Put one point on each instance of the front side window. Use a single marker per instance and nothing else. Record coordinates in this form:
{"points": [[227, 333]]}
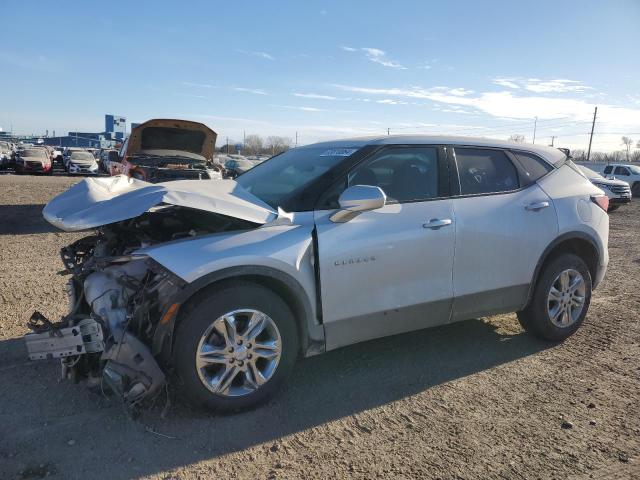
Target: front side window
{"points": [[405, 174], [485, 171], [621, 171]]}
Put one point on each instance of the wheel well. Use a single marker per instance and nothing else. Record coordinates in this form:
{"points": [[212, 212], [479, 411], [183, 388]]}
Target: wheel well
{"points": [[579, 247]]}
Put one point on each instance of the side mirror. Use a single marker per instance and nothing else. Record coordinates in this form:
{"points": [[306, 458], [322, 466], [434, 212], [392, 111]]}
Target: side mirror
{"points": [[357, 199]]}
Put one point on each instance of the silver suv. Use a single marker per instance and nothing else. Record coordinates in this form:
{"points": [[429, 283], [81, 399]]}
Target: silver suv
{"points": [[227, 283]]}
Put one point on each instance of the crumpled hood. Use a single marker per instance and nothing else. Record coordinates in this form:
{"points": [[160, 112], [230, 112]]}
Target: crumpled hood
{"points": [[100, 201]]}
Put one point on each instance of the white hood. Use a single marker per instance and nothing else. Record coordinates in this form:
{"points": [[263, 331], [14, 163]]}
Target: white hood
{"points": [[100, 201]]}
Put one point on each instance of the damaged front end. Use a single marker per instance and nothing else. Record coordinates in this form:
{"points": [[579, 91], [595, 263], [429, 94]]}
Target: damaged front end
{"points": [[119, 301]]}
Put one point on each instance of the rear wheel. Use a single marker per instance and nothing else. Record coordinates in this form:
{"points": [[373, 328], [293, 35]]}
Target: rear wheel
{"points": [[635, 189], [560, 299], [235, 347]]}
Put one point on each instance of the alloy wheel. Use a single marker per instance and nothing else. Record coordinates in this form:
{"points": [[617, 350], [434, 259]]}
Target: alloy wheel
{"points": [[238, 353], [566, 298]]}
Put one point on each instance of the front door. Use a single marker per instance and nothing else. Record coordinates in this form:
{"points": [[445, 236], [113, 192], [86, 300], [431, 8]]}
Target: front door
{"points": [[388, 271]]}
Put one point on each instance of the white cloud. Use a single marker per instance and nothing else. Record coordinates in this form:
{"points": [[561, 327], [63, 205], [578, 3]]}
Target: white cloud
{"points": [[390, 101], [376, 55], [506, 104], [558, 85], [197, 85], [264, 55], [302, 109], [506, 82], [314, 95], [255, 91]]}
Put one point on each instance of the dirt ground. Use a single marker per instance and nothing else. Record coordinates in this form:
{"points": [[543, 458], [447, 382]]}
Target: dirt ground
{"points": [[478, 399]]}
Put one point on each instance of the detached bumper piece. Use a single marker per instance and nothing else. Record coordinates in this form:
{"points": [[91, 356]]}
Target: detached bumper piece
{"points": [[54, 341]]}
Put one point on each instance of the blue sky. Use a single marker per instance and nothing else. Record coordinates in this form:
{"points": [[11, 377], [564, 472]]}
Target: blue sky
{"points": [[327, 69]]}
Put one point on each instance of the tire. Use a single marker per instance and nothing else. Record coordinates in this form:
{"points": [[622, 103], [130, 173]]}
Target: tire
{"points": [[202, 316], [635, 189], [613, 208], [536, 317]]}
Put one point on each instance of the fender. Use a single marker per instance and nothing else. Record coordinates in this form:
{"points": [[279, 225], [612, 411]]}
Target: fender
{"points": [[574, 235], [311, 332]]}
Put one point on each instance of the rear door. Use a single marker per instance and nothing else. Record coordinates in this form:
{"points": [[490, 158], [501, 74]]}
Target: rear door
{"points": [[388, 271], [504, 222]]}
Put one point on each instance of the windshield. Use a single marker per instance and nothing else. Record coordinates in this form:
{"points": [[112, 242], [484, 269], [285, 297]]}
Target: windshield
{"points": [[275, 179], [81, 156], [35, 153], [635, 170], [590, 173], [4, 147]]}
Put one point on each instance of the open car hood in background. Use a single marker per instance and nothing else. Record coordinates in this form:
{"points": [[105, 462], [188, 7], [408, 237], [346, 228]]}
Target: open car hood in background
{"points": [[172, 136], [94, 202]]}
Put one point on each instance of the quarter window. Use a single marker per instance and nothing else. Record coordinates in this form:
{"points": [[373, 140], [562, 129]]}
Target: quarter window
{"points": [[405, 174], [532, 165], [485, 171]]}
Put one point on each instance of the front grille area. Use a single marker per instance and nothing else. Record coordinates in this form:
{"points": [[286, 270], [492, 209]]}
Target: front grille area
{"points": [[621, 189], [32, 164]]}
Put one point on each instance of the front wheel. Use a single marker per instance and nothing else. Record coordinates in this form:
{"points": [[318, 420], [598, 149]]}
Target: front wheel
{"points": [[613, 208], [234, 347], [635, 189], [560, 299]]}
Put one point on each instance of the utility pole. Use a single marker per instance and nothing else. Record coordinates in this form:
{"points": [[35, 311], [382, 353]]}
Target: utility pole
{"points": [[593, 125], [296, 138], [535, 125], [552, 139], [388, 131], [244, 139], [227, 145]]}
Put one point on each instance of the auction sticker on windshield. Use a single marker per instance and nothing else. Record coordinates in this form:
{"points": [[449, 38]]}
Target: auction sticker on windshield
{"points": [[338, 152]]}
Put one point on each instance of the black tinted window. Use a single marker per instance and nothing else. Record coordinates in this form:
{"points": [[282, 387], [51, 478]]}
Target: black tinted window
{"points": [[485, 171], [532, 165], [608, 170], [621, 171], [405, 174]]}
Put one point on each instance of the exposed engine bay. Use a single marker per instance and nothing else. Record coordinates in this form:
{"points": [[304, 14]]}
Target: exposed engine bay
{"points": [[162, 168], [117, 300]]}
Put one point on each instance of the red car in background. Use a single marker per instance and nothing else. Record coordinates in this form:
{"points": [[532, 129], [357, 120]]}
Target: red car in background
{"points": [[34, 160]]}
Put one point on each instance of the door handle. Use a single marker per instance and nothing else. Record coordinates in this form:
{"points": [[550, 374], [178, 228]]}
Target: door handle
{"points": [[534, 207], [436, 223]]}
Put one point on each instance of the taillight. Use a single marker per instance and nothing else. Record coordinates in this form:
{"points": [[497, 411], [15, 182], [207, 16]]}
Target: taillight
{"points": [[601, 200]]}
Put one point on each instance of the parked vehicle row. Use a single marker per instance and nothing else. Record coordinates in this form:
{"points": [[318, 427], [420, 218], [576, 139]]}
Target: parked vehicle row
{"points": [[619, 192], [323, 246]]}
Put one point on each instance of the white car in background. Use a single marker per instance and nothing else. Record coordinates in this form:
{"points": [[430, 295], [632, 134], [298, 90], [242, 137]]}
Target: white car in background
{"points": [[82, 163], [619, 192], [627, 173]]}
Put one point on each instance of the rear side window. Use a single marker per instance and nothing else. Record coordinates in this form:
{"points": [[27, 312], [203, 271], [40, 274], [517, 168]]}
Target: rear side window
{"points": [[608, 170], [533, 166], [485, 171]]}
